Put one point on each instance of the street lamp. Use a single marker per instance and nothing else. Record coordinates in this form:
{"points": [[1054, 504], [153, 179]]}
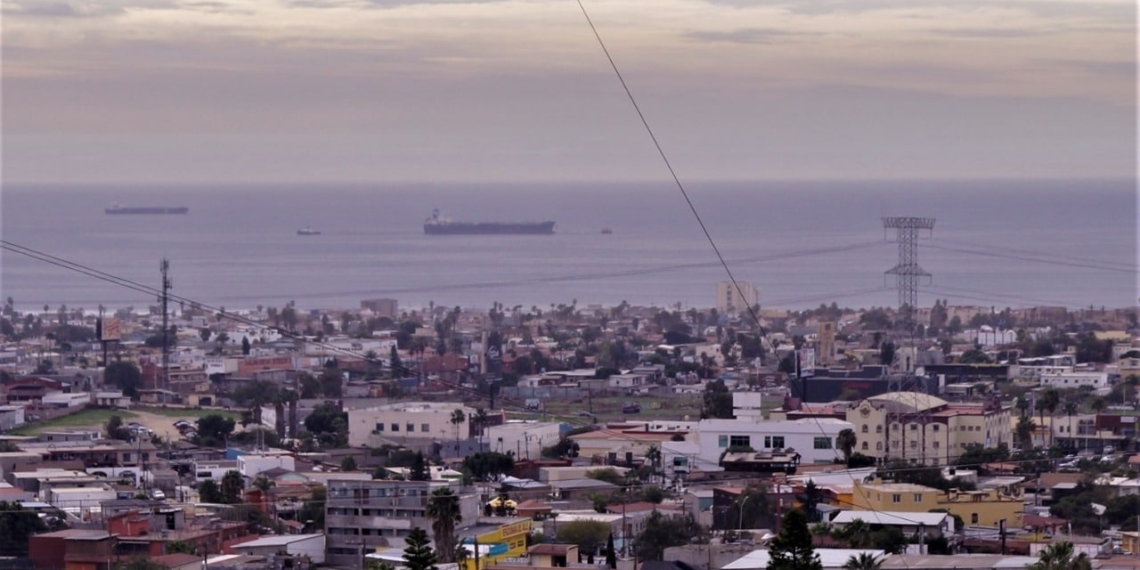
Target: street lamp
{"points": [[744, 500]]}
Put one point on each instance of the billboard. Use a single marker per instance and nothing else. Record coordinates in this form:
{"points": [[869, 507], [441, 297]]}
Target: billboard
{"points": [[807, 362], [111, 330]]}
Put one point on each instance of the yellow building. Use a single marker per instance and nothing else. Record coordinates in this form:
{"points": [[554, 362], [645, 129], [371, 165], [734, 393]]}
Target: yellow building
{"points": [[925, 430], [980, 508], [500, 545]]}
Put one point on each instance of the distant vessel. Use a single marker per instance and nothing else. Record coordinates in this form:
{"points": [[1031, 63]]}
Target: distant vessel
{"points": [[440, 225], [117, 209], [308, 231], [607, 231]]}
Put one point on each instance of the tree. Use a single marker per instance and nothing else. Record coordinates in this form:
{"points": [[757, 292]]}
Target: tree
{"points": [[139, 563], [395, 364], [1024, 430], [488, 465], [348, 464], [418, 554], [245, 346], [329, 425], [116, 429], [214, 430], [653, 456], [208, 492], [611, 555], [331, 383], [17, 524], [864, 561], [181, 547], [588, 535], [811, 500], [887, 353], [1050, 400], [443, 510], [263, 483], [419, 470], [660, 532], [1061, 556], [232, 487], [846, 442], [457, 419], [124, 375], [792, 549], [312, 512], [717, 401]]}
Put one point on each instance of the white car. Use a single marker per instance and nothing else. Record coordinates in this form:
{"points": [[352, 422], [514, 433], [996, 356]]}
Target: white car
{"points": [[158, 495]]}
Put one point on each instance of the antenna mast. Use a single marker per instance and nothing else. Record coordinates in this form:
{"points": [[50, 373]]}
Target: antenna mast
{"points": [[165, 299]]}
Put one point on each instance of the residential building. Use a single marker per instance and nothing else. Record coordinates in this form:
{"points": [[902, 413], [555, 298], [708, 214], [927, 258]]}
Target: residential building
{"points": [[924, 429], [363, 515], [735, 298], [747, 406], [976, 508], [11, 417], [1074, 379], [73, 549], [910, 523], [813, 439], [407, 421]]}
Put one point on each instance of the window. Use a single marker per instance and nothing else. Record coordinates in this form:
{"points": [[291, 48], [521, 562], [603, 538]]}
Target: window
{"points": [[866, 428], [425, 428], [739, 441], [935, 428], [896, 498], [918, 497], [864, 446], [821, 443], [410, 427], [913, 444], [722, 441], [973, 518], [879, 428], [395, 427], [379, 427], [913, 427], [126, 457], [878, 446], [936, 445], [778, 442]]}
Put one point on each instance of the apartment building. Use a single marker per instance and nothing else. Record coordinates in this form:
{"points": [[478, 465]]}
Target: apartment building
{"points": [[407, 421], [364, 515], [924, 429], [976, 508], [730, 300]]}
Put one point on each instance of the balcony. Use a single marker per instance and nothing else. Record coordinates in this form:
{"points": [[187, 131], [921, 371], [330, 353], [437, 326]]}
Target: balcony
{"points": [[343, 521]]}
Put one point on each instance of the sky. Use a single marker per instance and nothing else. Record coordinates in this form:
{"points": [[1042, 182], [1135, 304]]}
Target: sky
{"points": [[389, 91]]}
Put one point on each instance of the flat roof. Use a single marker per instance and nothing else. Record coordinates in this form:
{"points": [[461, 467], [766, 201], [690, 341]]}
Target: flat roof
{"points": [[828, 557], [897, 518], [278, 540]]}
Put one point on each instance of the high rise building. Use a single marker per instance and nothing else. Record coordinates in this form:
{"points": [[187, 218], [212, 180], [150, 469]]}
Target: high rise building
{"points": [[731, 301]]}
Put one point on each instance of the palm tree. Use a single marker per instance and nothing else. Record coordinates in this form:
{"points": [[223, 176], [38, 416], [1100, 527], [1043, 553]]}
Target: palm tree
{"points": [[480, 418], [1070, 407], [1025, 429], [864, 561], [846, 441], [443, 510], [457, 418], [1060, 556], [653, 455], [1049, 402]]}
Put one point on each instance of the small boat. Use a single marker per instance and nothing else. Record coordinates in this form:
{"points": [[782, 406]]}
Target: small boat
{"points": [[308, 231], [607, 231]]}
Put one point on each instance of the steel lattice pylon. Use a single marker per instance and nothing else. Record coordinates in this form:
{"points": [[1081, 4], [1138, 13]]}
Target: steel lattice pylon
{"points": [[908, 272]]}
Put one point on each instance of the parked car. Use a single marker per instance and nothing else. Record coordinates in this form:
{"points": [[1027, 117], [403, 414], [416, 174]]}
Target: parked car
{"points": [[158, 495]]}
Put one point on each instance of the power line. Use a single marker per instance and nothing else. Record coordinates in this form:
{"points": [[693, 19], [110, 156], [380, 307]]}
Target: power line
{"points": [[987, 246], [1043, 260]]}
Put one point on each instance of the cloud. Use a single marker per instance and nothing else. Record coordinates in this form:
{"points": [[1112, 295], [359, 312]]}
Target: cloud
{"points": [[59, 10], [746, 35]]}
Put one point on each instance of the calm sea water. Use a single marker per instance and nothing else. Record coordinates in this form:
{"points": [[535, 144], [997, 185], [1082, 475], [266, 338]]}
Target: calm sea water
{"points": [[995, 243]]}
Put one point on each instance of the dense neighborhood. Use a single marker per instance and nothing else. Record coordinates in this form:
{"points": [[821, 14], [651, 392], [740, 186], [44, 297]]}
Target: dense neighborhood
{"points": [[632, 437]]}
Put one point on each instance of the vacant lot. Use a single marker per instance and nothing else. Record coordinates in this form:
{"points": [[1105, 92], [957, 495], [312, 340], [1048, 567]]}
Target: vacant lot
{"points": [[609, 409], [159, 420]]}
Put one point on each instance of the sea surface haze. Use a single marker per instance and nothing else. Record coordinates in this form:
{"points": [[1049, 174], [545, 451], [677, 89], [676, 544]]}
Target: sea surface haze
{"points": [[996, 243]]}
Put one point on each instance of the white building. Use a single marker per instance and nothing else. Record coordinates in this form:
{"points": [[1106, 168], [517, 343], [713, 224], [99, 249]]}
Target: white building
{"points": [[310, 545], [404, 421], [746, 406], [813, 439], [66, 400], [524, 439], [11, 417], [213, 469], [255, 464], [627, 381], [1075, 379], [730, 301]]}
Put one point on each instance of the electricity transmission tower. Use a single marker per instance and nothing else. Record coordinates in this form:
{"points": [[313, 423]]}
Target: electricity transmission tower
{"points": [[164, 299], [908, 272]]}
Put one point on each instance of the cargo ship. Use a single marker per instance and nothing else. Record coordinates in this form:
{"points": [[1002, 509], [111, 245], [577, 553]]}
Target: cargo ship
{"points": [[440, 225], [117, 209]]}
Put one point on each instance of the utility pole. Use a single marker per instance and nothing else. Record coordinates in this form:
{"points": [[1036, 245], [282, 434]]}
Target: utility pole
{"points": [[165, 268]]}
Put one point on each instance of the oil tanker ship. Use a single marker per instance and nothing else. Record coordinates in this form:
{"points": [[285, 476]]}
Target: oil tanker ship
{"points": [[117, 209], [440, 225]]}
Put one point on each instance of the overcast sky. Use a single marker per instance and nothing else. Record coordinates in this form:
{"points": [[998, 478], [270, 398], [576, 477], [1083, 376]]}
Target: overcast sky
{"points": [[168, 91]]}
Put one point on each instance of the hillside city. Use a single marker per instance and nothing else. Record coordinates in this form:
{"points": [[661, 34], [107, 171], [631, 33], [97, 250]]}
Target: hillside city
{"points": [[736, 437]]}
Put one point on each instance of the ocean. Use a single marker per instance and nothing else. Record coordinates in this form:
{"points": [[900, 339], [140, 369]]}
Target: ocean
{"points": [[995, 243]]}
